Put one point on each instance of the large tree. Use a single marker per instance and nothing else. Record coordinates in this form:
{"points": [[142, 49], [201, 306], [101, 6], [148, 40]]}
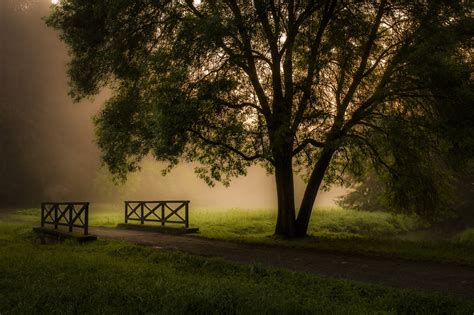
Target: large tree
{"points": [[299, 87]]}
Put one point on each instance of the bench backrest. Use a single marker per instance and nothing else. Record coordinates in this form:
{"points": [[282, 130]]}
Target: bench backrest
{"points": [[70, 214], [162, 211]]}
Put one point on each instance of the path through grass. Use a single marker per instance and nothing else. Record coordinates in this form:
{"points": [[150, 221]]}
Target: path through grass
{"points": [[107, 277], [331, 229]]}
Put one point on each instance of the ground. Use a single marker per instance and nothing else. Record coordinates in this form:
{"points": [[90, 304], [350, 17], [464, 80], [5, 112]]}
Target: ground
{"points": [[450, 279], [428, 276]]}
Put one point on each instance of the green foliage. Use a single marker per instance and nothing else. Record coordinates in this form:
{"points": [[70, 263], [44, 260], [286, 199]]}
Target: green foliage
{"points": [[115, 277], [429, 172], [446, 198], [367, 195], [229, 85], [464, 183]]}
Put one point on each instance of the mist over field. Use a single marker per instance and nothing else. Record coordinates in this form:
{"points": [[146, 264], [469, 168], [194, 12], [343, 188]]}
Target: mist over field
{"points": [[47, 149]]}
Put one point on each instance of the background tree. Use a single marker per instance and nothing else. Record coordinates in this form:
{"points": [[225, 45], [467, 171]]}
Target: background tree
{"points": [[307, 87], [368, 194], [454, 212], [451, 195]]}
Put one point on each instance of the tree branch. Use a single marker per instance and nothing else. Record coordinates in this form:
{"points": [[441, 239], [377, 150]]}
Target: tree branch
{"points": [[359, 74], [251, 70], [228, 147], [238, 106], [375, 154], [306, 142], [271, 38], [328, 11]]}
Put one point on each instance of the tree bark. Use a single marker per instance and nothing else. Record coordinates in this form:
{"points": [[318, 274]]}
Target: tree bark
{"points": [[311, 192], [286, 199]]}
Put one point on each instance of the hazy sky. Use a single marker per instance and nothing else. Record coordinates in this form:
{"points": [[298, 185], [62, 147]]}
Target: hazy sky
{"points": [[47, 142]]}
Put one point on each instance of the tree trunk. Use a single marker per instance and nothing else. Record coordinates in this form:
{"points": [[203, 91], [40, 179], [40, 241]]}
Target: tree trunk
{"points": [[286, 199], [311, 192]]}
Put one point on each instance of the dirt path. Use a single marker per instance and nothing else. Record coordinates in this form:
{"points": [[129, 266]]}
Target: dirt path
{"points": [[426, 276]]}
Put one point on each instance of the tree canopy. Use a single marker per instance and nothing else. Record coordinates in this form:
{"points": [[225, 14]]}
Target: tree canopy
{"points": [[316, 88]]}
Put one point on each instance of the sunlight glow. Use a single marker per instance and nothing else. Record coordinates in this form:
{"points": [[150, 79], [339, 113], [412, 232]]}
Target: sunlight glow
{"points": [[197, 2], [282, 39], [54, 2]]}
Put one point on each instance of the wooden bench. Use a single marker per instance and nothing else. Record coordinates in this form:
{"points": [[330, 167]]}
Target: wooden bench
{"points": [[160, 211], [65, 214]]}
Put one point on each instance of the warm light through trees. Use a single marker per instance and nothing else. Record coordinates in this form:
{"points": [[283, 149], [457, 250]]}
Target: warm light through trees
{"points": [[316, 88]]}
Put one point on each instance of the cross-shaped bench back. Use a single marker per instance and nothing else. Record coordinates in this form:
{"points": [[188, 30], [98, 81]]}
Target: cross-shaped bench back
{"points": [[70, 214], [162, 211]]}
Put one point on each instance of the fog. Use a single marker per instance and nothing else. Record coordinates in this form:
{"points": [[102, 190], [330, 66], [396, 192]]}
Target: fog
{"points": [[47, 142]]}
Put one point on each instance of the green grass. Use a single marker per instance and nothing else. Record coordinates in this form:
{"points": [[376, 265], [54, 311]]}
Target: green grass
{"points": [[235, 223], [466, 237], [331, 229], [232, 223], [110, 277]]}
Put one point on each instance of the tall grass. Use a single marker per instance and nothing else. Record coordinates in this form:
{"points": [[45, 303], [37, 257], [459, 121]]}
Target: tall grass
{"points": [[110, 277], [331, 229]]}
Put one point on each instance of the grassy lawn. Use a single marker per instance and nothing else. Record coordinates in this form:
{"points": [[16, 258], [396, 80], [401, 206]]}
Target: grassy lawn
{"points": [[110, 277], [331, 229], [466, 237]]}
